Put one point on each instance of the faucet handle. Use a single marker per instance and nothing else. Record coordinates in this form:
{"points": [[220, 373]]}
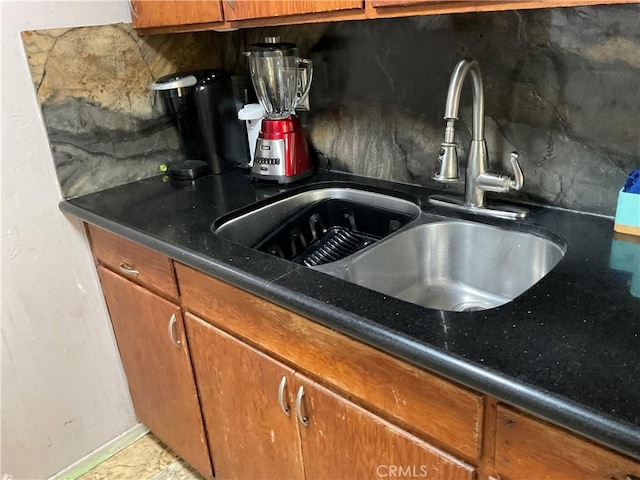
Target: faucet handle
{"points": [[518, 181]]}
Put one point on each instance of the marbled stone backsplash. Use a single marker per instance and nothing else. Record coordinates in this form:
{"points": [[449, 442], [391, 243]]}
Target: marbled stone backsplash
{"points": [[562, 87], [105, 126]]}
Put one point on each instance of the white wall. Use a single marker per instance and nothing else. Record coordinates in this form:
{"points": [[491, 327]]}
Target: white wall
{"points": [[63, 390]]}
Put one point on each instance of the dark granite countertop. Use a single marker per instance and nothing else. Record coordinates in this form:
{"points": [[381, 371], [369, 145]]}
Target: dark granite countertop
{"points": [[567, 350]]}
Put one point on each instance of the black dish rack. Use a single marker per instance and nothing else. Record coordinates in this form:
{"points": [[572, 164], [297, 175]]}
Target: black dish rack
{"points": [[330, 230]]}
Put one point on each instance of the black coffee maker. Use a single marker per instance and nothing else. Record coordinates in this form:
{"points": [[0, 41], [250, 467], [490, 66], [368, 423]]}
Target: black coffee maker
{"points": [[204, 108]]}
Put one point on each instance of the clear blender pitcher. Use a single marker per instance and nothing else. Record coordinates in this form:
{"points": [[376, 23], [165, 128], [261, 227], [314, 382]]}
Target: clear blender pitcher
{"points": [[274, 72]]}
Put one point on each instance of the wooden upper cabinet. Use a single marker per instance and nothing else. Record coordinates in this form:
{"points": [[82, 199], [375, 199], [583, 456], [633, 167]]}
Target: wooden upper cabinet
{"points": [[527, 448], [168, 13], [450, 6], [166, 16], [397, 3], [249, 9]]}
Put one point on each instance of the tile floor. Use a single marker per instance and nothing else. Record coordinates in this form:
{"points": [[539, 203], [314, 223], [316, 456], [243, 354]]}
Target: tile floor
{"points": [[145, 459]]}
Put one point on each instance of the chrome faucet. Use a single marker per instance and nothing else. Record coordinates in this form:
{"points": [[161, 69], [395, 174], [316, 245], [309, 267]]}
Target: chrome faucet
{"points": [[478, 179]]}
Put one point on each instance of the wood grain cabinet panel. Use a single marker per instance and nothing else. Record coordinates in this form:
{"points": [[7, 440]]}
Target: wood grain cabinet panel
{"points": [[528, 449], [139, 264], [165, 16], [152, 343], [250, 436], [342, 441], [420, 401], [450, 6], [168, 13], [250, 9], [396, 3], [255, 432]]}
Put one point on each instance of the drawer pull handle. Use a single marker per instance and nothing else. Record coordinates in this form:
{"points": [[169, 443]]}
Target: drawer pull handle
{"points": [[301, 417], [126, 267], [134, 10], [172, 322], [281, 389]]}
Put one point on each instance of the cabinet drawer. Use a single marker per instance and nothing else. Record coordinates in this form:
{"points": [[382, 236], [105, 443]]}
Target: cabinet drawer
{"points": [[525, 446], [422, 402], [163, 13], [133, 261], [250, 9]]}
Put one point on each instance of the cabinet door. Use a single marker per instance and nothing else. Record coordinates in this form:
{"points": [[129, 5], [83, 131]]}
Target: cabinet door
{"points": [[397, 3], [152, 343], [434, 407], [343, 441], [167, 13], [250, 435], [450, 6], [248, 9], [525, 445]]}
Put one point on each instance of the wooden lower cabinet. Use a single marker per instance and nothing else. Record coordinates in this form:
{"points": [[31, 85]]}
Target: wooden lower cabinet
{"points": [[431, 407], [261, 426], [151, 339], [529, 449], [344, 441], [150, 269], [257, 413], [250, 435]]}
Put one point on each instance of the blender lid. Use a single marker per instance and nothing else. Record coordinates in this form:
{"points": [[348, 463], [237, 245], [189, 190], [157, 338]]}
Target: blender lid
{"points": [[273, 46]]}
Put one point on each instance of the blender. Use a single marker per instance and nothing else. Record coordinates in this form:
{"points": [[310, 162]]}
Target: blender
{"points": [[281, 152]]}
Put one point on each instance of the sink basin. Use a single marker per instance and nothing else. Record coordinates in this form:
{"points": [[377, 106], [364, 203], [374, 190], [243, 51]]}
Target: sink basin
{"points": [[385, 242], [456, 265], [319, 225]]}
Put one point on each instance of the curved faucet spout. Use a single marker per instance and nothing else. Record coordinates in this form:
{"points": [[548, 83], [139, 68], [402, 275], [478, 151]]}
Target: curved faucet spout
{"points": [[477, 178], [464, 66]]}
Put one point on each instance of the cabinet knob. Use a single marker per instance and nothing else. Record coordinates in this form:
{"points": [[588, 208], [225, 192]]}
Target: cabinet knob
{"points": [[281, 394], [172, 322], [631, 477], [302, 418]]}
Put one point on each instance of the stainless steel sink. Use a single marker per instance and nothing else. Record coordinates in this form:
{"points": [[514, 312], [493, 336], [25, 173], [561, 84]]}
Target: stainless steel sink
{"points": [[320, 224], [433, 261], [456, 265]]}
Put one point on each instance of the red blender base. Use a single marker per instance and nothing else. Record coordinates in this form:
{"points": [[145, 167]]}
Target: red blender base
{"points": [[282, 154]]}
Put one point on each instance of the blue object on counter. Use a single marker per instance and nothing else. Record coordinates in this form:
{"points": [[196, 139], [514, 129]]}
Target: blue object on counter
{"points": [[627, 214], [625, 256], [632, 185]]}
